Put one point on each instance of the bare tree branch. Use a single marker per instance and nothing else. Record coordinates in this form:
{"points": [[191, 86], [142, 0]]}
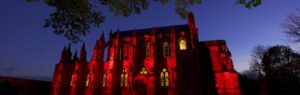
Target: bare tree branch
{"points": [[291, 27]]}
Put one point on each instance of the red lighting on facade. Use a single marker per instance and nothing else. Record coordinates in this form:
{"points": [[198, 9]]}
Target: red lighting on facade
{"points": [[156, 61]]}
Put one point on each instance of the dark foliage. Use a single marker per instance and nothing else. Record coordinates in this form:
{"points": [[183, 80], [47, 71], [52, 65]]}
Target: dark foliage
{"points": [[278, 67], [73, 18], [248, 85], [250, 3]]}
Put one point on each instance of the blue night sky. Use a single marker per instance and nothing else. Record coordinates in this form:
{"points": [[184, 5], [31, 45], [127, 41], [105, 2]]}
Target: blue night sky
{"points": [[28, 49]]}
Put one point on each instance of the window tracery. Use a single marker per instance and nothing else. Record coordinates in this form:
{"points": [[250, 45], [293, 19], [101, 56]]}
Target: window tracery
{"points": [[72, 78], [104, 80], [143, 71], [124, 78], [164, 78], [166, 50], [147, 49], [87, 80]]}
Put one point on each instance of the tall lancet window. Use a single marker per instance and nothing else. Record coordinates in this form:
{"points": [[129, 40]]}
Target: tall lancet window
{"points": [[182, 44], [72, 78], [164, 78], [166, 49], [87, 80], [124, 78], [104, 80], [147, 49]]}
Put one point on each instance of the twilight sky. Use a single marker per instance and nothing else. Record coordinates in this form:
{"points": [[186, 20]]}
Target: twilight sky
{"points": [[28, 49]]}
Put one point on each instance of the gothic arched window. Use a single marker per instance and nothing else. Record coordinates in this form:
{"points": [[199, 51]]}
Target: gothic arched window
{"points": [[147, 49], [104, 80], [72, 78], [182, 44], [143, 71], [166, 49], [164, 77], [87, 80], [124, 78]]}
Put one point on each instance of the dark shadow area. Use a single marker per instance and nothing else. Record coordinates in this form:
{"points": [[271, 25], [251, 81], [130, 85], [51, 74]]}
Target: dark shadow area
{"points": [[7, 89], [16, 86], [248, 86]]}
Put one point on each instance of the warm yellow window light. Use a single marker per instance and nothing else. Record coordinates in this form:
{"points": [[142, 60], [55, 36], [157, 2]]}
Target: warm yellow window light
{"points": [[147, 50], [162, 83], [104, 81], [124, 78], [164, 78], [143, 71], [182, 44], [71, 83], [87, 80]]}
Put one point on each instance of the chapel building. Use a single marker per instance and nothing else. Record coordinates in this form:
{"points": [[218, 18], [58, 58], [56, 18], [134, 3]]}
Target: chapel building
{"points": [[154, 61]]}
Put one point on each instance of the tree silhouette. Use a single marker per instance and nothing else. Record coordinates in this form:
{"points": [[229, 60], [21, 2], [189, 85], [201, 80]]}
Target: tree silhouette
{"points": [[248, 83], [257, 57], [291, 26], [73, 18], [279, 65]]}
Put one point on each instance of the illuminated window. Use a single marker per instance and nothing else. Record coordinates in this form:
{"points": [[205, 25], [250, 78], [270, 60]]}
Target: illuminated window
{"points": [[124, 78], [104, 81], [72, 79], [143, 71], [147, 50], [166, 49], [87, 80], [167, 79], [182, 44], [164, 77]]}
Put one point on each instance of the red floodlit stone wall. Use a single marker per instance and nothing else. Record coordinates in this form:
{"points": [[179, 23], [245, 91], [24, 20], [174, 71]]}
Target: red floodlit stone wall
{"points": [[226, 77], [155, 61]]}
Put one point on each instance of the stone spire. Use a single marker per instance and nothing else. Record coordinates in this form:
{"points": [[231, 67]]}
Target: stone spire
{"points": [[101, 42], [83, 53], [75, 57], [68, 53], [102, 38], [63, 55]]}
